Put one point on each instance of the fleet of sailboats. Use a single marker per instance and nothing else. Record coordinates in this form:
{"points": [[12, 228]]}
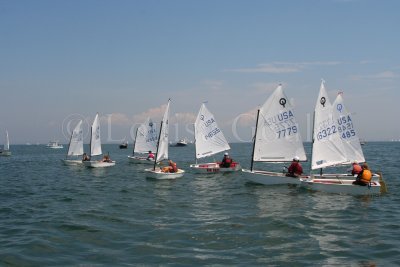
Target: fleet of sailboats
{"points": [[276, 142], [209, 140]]}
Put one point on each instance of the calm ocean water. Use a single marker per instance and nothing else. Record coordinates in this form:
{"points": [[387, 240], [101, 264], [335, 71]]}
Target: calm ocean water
{"points": [[51, 214]]}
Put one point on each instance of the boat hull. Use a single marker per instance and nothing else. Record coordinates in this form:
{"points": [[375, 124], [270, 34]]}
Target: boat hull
{"points": [[72, 162], [341, 186], [159, 175], [270, 178], [5, 153], [98, 164], [140, 160], [214, 167]]}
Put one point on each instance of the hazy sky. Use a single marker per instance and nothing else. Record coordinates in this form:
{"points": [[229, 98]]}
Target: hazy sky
{"points": [[60, 60]]}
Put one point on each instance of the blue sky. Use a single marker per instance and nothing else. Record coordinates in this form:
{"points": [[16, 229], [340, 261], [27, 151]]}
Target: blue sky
{"points": [[124, 59]]}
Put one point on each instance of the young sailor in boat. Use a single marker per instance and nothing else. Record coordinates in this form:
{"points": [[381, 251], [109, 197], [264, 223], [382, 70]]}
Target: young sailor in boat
{"points": [[355, 169], [85, 157], [295, 169], [171, 168], [226, 161], [150, 156], [106, 158], [364, 177]]}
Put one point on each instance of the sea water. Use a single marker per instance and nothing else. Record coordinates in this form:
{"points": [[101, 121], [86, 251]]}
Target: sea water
{"points": [[52, 215]]}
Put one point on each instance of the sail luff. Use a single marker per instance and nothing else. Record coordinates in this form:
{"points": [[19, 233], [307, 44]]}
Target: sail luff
{"points": [[162, 152]]}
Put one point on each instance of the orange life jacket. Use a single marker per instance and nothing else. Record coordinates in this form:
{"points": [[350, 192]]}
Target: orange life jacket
{"points": [[174, 168], [366, 176]]}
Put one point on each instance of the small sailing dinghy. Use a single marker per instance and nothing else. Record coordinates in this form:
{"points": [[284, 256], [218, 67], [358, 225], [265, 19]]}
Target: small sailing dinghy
{"points": [[277, 140], [95, 148], [335, 143], [162, 152], [75, 147], [145, 142], [209, 140], [6, 147]]}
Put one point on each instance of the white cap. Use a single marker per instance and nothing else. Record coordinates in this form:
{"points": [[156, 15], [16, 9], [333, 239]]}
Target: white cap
{"points": [[296, 158], [355, 162], [226, 154]]}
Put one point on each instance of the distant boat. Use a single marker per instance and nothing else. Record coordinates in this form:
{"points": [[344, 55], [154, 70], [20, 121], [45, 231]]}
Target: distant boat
{"points": [[362, 142], [124, 145], [95, 148], [6, 147], [75, 147], [182, 142], [54, 145]]}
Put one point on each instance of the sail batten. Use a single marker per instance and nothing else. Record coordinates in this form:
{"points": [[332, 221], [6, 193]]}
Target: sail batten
{"points": [[209, 137], [278, 136]]}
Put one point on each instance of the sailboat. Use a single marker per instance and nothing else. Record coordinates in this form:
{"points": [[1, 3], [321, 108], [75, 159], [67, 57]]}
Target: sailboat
{"points": [[145, 141], [75, 147], [162, 151], [277, 140], [209, 140], [54, 145], [95, 148], [6, 147], [335, 143]]}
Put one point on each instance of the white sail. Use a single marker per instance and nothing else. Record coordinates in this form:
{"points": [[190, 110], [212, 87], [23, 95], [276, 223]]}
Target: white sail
{"points": [[347, 132], [95, 143], [146, 138], [7, 143], [162, 152], [328, 147], [76, 142], [278, 136], [209, 137]]}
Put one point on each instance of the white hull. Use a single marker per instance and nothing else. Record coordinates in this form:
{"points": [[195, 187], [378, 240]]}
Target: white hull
{"points": [[55, 147], [5, 153], [98, 164], [72, 162], [140, 160], [213, 168], [158, 174], [341, 176], [270, 178], [339, 186]]}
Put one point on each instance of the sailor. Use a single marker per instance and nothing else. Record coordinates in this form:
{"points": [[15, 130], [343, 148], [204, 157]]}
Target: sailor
{"points": [[364, 177], [226, 161], [295, 169]]}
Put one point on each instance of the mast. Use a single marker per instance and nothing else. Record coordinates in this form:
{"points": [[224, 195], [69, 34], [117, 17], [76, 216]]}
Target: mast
{"points": [[158, 143], [195, 150], [134, 144], [254, 141], [90, 144]]}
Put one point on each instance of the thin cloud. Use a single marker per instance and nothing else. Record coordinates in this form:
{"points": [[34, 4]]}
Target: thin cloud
{"points": [[384, 75], [283, 67], [214, 85], [119, 119]]}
